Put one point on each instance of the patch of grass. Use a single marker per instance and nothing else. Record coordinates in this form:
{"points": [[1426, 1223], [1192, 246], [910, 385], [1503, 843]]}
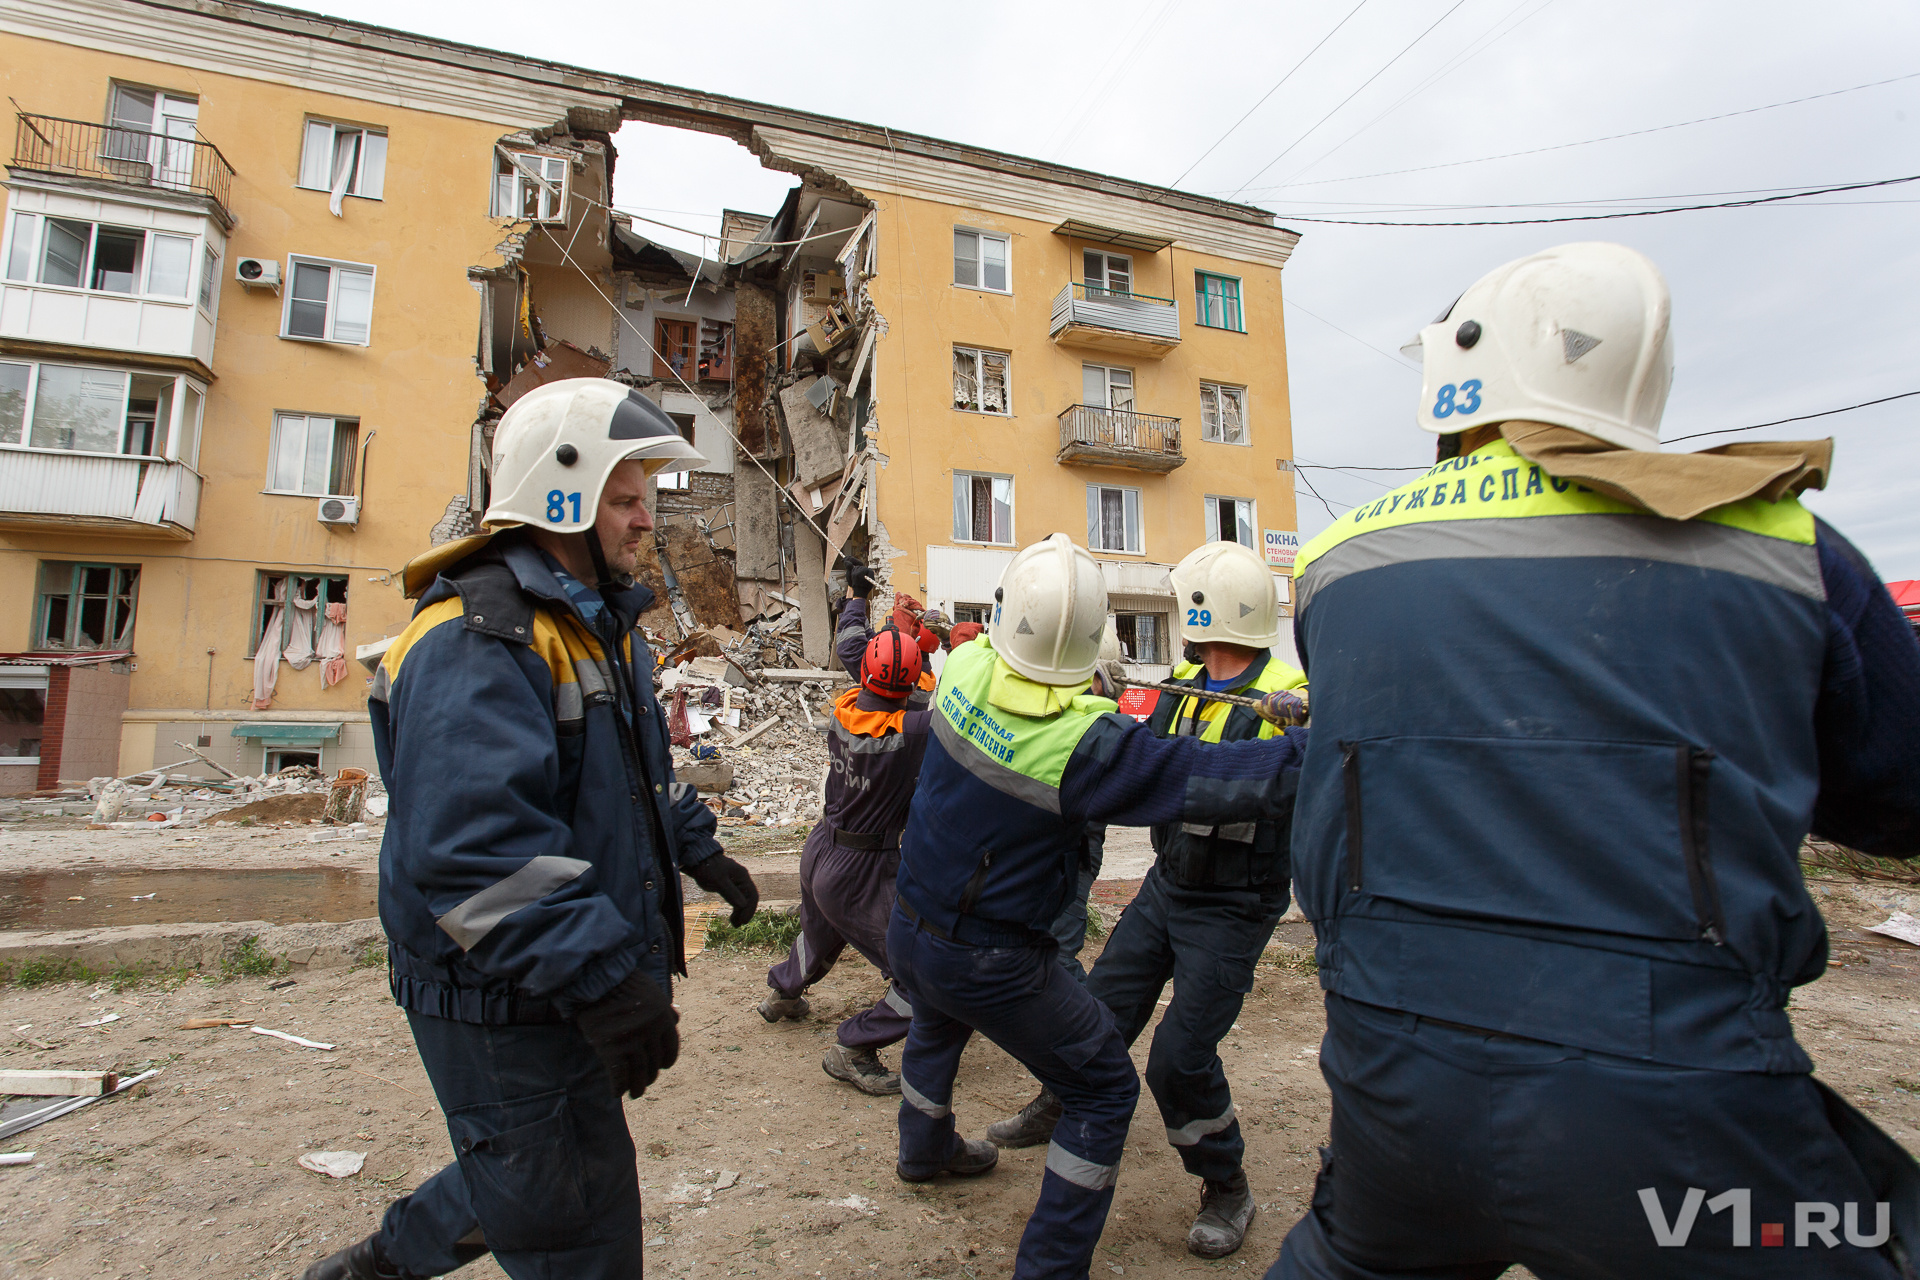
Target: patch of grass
{"points": [[1906, 1086], [43, 971], [1096, 925], [1301, 962], [372, 956], [248, 960], [773, 930], [1823, 858]]}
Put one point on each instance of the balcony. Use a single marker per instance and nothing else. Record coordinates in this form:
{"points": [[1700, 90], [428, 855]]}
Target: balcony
{"points": [[1119, 438], [124, 157], [1127, 324], [44, 489]]}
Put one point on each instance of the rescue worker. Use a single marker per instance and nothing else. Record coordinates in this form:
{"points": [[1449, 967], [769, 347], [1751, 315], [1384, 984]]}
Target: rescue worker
{"points": [[853, 635], [1209, 903], [1577, 703], [852, 855], [530, 874], [1022, 759]]}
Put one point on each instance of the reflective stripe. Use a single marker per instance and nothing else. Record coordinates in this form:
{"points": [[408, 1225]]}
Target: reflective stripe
{"points": [[594, 676], [850, 633], [568, 704], [676, 790], [470, 922], [1699, 544], [860, 744], [1189, 1134], [1079, 1170], [382, 684], [990, 771], [800, 954], [921, 1103], [898, 1002], [1238, 832]]}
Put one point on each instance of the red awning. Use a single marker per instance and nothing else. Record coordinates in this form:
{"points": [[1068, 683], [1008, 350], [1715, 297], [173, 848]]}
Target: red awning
{"points": [[1906, 594]]}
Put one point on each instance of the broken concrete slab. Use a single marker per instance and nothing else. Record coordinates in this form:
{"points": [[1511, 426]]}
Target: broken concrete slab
{"points": [[816, 619], [709, 778], [819, 441], [559, 360]]}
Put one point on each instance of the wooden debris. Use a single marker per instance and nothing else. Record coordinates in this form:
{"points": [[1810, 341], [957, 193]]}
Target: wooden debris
{"points": [[756, 731], [201, 1024]]}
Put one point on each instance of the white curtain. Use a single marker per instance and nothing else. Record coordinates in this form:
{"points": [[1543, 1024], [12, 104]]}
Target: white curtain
{"points": [[332, 649], [306, 613], [266, 659]]}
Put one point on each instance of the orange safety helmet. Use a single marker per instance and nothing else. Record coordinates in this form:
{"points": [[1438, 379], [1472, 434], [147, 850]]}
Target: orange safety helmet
{"points": [[890, 668]]}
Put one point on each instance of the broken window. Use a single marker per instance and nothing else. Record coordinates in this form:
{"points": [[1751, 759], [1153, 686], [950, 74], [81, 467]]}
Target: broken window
{"points": [[972, 613], [982, 508], [679, 479], [1142, 636], [1217, 302], [1108, 274], [86, 606], [673, 349], [980, 381], [1113, 519], [23, 714], [532, 188], [287, 611], [1105, 387], [1230, 520], [312, 454], [1223, 413], [716, 350], [980, 260], [329, 302], [344, 159]]}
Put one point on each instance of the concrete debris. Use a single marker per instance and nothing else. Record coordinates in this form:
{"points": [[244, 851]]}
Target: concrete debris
{"points": [[171, 800], [335, 1164]]}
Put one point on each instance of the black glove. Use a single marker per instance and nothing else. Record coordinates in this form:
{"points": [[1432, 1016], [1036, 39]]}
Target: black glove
{"points": [[860, 580], [722, 875], [634, 1029]]}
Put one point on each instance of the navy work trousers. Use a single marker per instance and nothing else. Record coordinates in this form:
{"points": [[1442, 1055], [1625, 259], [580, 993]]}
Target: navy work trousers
{"points": [[1456, 1154], [846, 899], [1022, 1000], [543, 1174], [1070, 926], [1207, 942]]}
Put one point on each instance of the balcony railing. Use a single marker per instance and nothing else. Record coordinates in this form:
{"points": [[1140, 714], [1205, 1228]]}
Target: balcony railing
{"points": [[1113, 320], [1119, 438], [111, 153], [43, 489]]}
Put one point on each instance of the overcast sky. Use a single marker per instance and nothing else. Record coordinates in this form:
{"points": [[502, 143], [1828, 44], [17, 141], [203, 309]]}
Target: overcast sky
{"points": [[1779, 310]]}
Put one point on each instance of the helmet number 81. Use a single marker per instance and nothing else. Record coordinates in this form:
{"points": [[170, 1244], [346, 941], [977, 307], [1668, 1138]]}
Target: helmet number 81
{"points": [[557, 506], [1469, 399], [1199, 617]]}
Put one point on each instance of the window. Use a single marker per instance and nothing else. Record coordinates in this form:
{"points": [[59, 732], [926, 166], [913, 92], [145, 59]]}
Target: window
{"points": [[1104, 387], [530, 187], [209, 280], [104, 259], [312, 593], [343, 159], [14, 382], [679, 479], [312, 455], [1217, 302], [155, 129], [77, 409], [980, 381], [1230, 520], [1113, 519], [1223, 414], [980, 260], [1143, 637], [23, 715], [86, 606], [330, 302], [972, 613], [982, 508], [716, 350], [673, 349], [1107, 273]]}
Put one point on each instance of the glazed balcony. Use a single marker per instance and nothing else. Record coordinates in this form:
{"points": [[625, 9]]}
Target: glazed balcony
{"points": [[124, 157], [1095, 437], [1115, 321], [56, 491]]}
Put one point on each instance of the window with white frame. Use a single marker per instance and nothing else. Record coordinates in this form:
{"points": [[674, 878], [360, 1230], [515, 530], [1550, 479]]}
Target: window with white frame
{"points": [[679, 479], [156, 129], [980, 381], [982, 508], [1107, 273], [1143, 637], [1106, 387], [980, 260], [532, 188], [85, 606], [1223, 413], [98, 257], [82, 409], [1230, 520], [209, 281], [1113, 519], [312, 454], [979, 613], [23, 714], [329, 302], [345, 159]]}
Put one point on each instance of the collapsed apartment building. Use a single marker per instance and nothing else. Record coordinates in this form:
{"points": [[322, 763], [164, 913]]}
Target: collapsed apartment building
{"points": [[927, 355]]}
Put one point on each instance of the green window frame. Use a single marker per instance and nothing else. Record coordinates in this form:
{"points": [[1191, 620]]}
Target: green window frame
{"points": [[329, 588], [1217, 302], [84, 606]]}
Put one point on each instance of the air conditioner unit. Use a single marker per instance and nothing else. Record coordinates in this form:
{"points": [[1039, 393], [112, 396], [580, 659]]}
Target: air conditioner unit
{"points": [[339, 511], [257, 271]]}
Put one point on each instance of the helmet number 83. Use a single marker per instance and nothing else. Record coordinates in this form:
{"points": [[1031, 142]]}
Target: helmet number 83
{"points": [[1199, 617], [557, 506], [1469, 399]]}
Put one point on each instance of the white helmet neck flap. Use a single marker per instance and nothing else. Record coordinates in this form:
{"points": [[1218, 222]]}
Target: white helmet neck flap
{"points": [[1576, 336], [557, 445], [1050, 612], [1223, 592]]}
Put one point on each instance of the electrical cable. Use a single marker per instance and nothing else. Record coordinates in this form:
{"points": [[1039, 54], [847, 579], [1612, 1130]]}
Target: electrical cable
{"points": [[1108, 77], [1824, 413], [1328, 466], [1608, 217], [1362, 341], [1331, 513]]}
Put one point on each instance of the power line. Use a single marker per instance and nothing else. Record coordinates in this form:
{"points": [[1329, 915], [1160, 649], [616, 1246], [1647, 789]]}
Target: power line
{"points": [[1362, 341], [1268, 94], [1331, 513], [1824, 413], [1327, 466], [1608, 217], [1350, 97], [1108, 76]]}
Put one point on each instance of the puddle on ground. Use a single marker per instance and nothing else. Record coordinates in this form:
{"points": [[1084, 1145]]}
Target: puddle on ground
{"points": [[120, 897]]}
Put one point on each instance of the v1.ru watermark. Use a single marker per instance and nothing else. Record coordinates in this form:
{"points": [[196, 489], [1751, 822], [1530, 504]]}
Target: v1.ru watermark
{"points": [[1812, 1220]]}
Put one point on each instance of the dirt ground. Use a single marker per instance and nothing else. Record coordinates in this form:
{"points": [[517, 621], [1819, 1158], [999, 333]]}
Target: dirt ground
{"points": [[753, 1161]]}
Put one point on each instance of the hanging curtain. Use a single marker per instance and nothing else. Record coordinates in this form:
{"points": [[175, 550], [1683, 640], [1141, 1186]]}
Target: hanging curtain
{"points": [[305, 615], [332, 649], [266, 659]]}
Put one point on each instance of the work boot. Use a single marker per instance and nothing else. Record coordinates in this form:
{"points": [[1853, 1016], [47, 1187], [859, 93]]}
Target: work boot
{"points": [[777, 1006], [1226, 1211], [1033, 1126], [860, 1068], [971, 1158], [362, 1261]]}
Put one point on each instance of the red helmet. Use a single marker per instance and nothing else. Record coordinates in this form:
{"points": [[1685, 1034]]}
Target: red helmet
{"points": [[890, 668]]}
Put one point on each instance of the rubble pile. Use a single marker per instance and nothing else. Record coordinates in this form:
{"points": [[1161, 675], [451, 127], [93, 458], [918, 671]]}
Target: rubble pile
{"points": [[160, 798]]}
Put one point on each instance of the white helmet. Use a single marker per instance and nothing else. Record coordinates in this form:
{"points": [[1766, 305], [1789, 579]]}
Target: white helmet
{"points": [[1576, 336], [1223, 592], [555, 448], [1049, 613]]}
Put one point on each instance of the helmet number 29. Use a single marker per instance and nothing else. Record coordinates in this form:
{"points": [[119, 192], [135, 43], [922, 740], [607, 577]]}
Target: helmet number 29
{"points": [[1446, 406], [1199, 617], [557, 506]]}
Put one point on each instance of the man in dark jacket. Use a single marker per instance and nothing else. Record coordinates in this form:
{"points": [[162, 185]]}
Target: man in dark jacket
{"points": [[530, 875]]}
